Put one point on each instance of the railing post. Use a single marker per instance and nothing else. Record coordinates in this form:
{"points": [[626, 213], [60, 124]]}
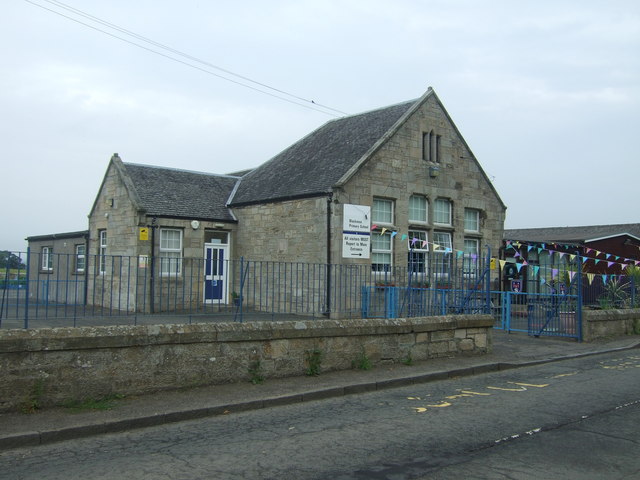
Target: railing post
{"points": [[579, 300], [488, 281], [26, 297]]}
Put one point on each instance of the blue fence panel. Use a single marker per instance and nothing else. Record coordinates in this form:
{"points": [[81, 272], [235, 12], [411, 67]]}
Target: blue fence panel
{"points": [[542, 314]]}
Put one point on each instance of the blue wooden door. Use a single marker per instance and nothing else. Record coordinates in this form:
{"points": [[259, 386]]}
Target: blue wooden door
{"points": [[215, 279]]}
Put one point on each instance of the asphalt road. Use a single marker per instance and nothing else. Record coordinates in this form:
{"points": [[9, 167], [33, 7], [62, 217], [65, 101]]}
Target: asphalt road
{"points": [[570, 419]]}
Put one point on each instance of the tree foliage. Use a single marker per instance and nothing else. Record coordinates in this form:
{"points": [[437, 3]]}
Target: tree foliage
{"points": [[10, 260]]}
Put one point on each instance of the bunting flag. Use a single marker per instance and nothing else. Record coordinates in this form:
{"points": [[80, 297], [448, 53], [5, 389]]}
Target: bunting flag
{"points": [[520, 261]]}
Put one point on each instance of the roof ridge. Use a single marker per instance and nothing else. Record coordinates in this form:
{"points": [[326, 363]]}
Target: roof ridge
{"points": [[157, 167], [604, 225]]}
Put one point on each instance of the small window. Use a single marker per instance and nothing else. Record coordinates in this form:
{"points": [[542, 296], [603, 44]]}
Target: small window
{"points": [[471, 258], [47, 259], [417, 209], [442, 212], [471, 220], [381, 252], [382, 211], [431, 147], [81, 258], [426, 146], [102, 250], [170, 251], [418, 251]]}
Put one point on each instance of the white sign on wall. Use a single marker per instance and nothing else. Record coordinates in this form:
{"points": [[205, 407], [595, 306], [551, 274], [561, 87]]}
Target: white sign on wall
{"points": [[356, 218], [356, 231]]}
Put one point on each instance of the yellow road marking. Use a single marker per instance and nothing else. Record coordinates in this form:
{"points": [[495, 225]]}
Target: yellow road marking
{"points": [[453, 397], [474, 393], [442, 405], [523, 389], [530, 384]]}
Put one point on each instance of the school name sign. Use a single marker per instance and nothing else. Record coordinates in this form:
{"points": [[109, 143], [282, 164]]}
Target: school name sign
{"points": [[356, 231]]}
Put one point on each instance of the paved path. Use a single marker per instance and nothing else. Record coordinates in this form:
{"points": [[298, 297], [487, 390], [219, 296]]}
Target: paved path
{"points": [[509, 351]]}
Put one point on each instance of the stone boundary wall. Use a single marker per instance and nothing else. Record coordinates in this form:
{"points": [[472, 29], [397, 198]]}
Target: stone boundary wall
{"points": [[609, 323], [55, 365]]}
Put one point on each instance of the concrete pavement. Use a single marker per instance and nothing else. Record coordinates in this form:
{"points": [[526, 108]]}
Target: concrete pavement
{"points": [[509, 351]]}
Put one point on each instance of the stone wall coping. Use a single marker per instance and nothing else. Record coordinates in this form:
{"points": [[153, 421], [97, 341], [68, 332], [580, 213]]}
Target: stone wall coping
{"points": [[80, 338], [610, 315]]}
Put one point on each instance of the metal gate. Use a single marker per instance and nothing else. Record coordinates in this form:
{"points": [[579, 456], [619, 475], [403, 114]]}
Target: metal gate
{"points": [[558, 315]]}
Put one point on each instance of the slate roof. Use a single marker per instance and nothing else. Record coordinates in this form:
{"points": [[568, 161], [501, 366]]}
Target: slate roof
{"points": [[311, 166], [170, 192], [575, 235]]}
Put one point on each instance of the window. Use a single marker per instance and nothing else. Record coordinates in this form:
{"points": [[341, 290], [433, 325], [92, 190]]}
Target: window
{"points": [[426, 146], [80, 258], [471, 259], [381, 252], [418, 250], [431, 147], [442, 253], [417, 209], [102, 253], [442, 212], [47, 259], [170, 251], [471, 220], [382, 211]]}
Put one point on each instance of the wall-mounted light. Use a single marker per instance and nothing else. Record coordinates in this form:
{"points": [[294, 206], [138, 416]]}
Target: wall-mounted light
{"points": [[434, 171]]}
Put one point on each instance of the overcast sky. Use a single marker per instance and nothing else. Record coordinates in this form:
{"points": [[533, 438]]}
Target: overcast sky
{"points": [[546, 94]]}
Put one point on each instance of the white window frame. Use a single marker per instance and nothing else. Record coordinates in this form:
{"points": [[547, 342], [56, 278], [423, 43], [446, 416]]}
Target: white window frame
{"points": [[471, 256], [47, 259], [417, 259], [438, 212], [81, 258], [102, 251], [381, 253], [441, 260], [376, 211], [170, 255], [422, 219], [471, 220]]}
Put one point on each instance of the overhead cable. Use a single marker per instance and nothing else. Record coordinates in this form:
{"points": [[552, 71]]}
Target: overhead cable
{"points": [[280, 94]]}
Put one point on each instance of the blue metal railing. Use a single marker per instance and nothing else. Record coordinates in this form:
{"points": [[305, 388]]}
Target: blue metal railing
{"points": [[119, 289]]}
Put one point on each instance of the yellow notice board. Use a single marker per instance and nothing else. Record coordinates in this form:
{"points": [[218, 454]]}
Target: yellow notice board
{"points": [[493, 264], [144, 233]]}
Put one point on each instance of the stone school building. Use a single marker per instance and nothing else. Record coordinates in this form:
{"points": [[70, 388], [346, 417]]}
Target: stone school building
{"points": [[375, 190]]}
